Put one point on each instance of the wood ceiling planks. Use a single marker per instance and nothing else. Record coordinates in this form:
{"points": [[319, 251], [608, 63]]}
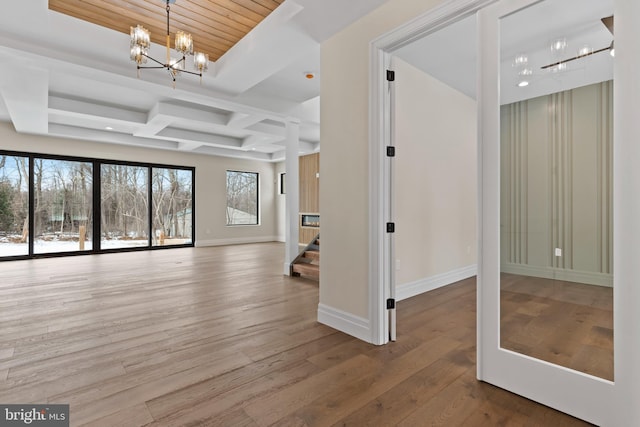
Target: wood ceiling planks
{"points": [[216, 25]]}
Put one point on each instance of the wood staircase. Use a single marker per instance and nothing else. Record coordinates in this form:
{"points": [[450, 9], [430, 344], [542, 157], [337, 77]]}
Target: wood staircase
{"points": [[307, 263]]}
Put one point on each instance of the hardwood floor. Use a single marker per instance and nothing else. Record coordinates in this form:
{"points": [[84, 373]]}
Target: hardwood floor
{"points": [[569, 324], [219, 337]]}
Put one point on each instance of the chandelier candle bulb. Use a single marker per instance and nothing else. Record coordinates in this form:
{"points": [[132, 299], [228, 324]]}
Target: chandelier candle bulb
{"points": [[201, 61], [184, 43]]}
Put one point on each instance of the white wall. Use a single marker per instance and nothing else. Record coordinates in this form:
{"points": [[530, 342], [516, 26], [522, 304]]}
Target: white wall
{"points": [[281, 205], [344, 198], [210, 185], [435, 182]]}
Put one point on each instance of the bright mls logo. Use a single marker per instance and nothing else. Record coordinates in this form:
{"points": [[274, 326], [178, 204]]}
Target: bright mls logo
{"points": [[34, 415]]}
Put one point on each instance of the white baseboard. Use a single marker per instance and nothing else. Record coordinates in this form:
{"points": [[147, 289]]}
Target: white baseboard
{"points": [[345, 322], [411, 289], [586, 277], [235, 241]]}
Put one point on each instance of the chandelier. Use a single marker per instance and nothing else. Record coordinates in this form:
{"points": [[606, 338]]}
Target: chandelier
{"points": [[141, 41]]}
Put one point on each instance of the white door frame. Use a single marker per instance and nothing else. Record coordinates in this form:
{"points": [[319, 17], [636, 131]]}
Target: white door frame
{"points": [[587, 397], [380, 246]]}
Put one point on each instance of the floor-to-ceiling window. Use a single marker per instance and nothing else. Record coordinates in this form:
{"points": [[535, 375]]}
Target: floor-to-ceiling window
{"points": [[52, 205], [172, 199], [14, 205], [62, 205], [124, 206]]}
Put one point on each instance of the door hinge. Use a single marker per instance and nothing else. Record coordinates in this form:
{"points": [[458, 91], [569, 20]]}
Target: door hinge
{"points": [[391, 227], [391, 304], [391, 76], [391, 151]]}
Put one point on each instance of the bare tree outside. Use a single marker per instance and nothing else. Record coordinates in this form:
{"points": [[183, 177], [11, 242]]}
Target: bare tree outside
{"points": [[63, 211], [172, 206], [136, 209], [124, 206], [14, 205], [242, 198]]}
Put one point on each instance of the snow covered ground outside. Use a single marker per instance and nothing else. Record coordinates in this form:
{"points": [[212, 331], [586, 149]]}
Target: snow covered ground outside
{"points": [[43, 247]]}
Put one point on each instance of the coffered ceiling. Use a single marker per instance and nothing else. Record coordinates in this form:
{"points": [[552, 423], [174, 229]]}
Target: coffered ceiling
{"points": [[65, 72]]}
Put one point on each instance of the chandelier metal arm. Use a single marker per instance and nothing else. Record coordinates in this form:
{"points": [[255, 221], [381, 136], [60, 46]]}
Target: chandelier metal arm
{"points": [[163, 65], [191, 72], [167, 66]]}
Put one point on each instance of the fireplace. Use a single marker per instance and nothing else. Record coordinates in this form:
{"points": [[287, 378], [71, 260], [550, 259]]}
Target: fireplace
{"points": [[310, 220]]}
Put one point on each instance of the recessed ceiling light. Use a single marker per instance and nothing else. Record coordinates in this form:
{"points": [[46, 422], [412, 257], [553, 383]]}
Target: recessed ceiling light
{"points": [[309, 75], [108, 128], [523, 83]]}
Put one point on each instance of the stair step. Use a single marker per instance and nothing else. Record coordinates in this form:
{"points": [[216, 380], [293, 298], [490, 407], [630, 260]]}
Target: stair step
{"points": [[306, 269], [313, 255]]}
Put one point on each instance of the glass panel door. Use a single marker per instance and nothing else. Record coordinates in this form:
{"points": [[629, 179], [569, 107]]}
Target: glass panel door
{"points": [[125, 206], [63, 205], [546, 264], [14, 206], [172, 206], [556, 198]]}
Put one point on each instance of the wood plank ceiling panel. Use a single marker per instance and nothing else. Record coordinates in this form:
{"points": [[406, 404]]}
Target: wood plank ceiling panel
{"points": [[216, 25]]}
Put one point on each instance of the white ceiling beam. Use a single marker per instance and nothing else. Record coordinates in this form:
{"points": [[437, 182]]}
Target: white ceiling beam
{"points": [[189, 136], [25, 92], [268, 129], [196, 113], [243, 66], [164, 114], [188, 146], [217, 151], [118, 138], [107, 137], [238, 120], [306, 146], [76, 108], [256, 140]]}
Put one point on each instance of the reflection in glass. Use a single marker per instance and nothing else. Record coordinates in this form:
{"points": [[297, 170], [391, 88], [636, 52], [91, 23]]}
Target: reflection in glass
{"points": [[172, 206], [63, 206], [125, 206], [14, 205], [556, 189]]}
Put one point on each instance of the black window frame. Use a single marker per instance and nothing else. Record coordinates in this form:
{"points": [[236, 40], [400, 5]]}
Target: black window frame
{"points": [[257, 175], [97, 185]]}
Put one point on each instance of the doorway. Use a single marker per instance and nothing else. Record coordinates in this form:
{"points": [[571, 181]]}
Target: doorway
{"points": [[434, 174]]}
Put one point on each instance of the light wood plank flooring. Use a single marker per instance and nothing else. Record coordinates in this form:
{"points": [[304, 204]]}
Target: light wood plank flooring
{"points": [[219, 337]]}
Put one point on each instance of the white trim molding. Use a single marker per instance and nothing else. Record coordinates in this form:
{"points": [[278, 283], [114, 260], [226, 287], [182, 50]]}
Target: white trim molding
{"points": [[381, 49], [344, 322], [577, 276], [411, 289]]}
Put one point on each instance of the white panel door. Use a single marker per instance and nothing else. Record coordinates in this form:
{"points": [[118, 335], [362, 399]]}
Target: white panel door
{"points": [[594, 399]]}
